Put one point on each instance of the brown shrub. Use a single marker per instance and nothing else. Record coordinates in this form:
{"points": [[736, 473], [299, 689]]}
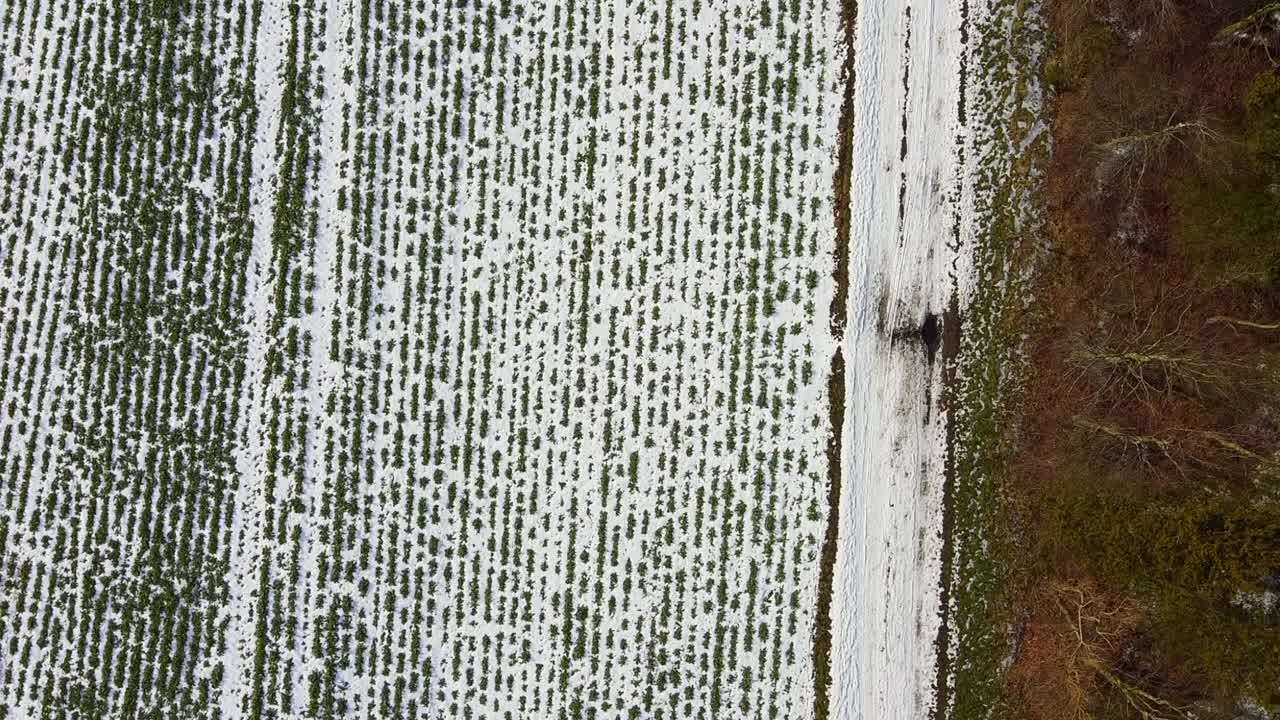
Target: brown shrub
{"points": [[1075, 632]]}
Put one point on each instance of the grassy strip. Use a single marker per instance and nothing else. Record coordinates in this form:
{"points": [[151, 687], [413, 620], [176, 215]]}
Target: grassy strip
{"points": [[1010, 148]]}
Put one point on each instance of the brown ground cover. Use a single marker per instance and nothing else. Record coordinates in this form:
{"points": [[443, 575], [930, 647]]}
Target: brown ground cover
{"points": [[1145, 481]]}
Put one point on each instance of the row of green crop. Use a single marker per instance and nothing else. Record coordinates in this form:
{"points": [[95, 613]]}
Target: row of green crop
{"points": [[448, 389]]}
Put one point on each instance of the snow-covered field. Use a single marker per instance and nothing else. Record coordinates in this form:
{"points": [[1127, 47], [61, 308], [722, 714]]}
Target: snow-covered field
{"points": [[467, 360]]}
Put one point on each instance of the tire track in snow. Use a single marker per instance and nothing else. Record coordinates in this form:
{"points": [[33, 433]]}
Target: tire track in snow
{"points": [[244, 613]]}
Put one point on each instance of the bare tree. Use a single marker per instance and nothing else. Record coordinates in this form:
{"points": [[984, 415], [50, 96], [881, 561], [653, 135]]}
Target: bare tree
{"points": [[1127, 156], [1261, 29], [1099, 626], [1136, 357], [1235, 323]]}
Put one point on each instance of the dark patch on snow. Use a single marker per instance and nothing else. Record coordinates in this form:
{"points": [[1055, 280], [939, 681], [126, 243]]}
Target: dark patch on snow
{"points": [[931, 334]]}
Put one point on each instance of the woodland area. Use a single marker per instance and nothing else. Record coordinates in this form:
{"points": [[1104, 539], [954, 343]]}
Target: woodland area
{"points": [[1145, 481]]}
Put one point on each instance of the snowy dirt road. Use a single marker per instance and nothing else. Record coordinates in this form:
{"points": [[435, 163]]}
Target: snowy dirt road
{"points": [[907, 257]]}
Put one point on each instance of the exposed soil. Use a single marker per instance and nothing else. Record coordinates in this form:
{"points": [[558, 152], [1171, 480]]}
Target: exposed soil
{"points": [[830, 541], [836, 382]]}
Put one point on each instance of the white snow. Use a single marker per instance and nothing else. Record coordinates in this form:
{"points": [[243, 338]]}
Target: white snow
{"points": [[907, 192]]}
